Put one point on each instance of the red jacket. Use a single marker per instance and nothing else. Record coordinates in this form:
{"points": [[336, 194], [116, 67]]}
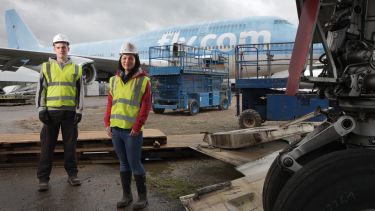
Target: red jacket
{"points": [[143, 112]]}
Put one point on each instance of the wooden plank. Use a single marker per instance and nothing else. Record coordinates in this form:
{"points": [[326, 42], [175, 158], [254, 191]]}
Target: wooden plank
{"points": [[90, 145], [79, 150], [37, 151], [180, 141], [174, 141], [83, 136]]}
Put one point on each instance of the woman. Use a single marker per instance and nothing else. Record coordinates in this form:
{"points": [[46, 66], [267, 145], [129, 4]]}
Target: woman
{"points": [[128, 106]]}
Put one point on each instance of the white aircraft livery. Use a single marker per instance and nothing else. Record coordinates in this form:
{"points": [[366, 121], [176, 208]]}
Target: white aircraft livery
{"points": [[100, 59]]}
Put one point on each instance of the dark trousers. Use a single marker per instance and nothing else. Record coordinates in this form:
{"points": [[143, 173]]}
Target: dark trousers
{"points": [[48, 139]]}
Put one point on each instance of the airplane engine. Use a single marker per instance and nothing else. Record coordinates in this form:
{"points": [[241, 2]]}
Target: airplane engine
{"points": [[88, 68], [89, 72]]}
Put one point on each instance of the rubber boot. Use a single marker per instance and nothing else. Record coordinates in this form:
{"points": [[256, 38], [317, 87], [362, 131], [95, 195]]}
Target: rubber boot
{"points": [[142, 202], [127, 196]]}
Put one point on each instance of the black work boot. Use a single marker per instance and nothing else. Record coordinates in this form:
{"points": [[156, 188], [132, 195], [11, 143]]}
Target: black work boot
{"points": [[142, 202], [127, 196], [74, 181], [43, 186]]}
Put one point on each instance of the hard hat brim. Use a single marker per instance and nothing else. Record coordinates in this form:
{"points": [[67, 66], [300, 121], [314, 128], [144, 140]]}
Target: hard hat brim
{"points": [[61, 42]]}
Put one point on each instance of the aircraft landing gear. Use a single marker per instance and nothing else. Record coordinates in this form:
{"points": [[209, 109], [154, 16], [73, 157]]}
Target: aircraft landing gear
{"points": [[334, 181]]}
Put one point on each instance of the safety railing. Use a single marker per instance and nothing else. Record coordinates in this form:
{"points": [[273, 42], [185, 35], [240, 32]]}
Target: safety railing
{"points": [[263, 60], [189, 58]]}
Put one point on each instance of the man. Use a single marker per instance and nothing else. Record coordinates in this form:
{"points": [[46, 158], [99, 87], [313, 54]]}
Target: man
{"points": [[59, 100]]}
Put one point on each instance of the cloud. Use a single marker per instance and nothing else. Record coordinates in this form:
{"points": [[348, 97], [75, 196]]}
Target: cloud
{"points": [[92, 20]]}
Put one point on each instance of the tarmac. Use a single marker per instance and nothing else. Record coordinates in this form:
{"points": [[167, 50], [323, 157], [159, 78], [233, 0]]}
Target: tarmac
{"points": [[101, 188], [167, 179]]}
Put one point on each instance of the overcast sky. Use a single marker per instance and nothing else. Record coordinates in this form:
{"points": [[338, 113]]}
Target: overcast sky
{"points": [[94, 20]]}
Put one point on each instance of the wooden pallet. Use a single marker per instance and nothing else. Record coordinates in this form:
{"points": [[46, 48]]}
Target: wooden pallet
{"points": [[95, 145]]}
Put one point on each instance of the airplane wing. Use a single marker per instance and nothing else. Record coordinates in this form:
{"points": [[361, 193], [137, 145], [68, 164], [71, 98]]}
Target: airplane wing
{"points": [[12, 59], [93, 67]]}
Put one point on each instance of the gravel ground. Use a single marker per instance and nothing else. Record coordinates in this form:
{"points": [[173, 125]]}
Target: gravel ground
{"points": [[23, 119]]}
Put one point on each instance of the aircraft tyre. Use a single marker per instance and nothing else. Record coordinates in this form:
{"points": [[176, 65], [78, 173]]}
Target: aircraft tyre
{"points": [[273, 183], [249, 118], [341, 180]]}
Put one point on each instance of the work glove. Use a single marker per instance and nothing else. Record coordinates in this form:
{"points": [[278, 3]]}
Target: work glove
{"points": [[43, 116], [77, 118]]}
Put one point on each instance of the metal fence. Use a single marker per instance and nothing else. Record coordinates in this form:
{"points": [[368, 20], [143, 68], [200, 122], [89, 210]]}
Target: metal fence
{"points": [[189, 58], [263, 60]]}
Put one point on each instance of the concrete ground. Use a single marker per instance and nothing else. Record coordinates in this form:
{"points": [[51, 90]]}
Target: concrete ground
{"points": [[101, 188]]}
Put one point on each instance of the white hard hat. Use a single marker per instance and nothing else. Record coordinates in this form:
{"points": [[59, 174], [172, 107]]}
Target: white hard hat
{"points": [[128, 48], [60, 38]]}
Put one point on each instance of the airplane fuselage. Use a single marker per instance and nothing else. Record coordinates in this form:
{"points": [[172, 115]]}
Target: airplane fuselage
{"points": [[219, 35]]}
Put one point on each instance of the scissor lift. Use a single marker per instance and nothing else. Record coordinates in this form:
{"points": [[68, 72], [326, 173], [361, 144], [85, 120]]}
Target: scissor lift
{"points": [[192, 78]]}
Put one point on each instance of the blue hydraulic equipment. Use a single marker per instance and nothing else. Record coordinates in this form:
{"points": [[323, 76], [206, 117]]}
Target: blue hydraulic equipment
{"points": [[190, 78], [262, 96]]}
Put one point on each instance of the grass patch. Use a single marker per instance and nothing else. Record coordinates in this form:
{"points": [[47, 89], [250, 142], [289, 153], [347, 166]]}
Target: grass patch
{"points": [[170, 187]]}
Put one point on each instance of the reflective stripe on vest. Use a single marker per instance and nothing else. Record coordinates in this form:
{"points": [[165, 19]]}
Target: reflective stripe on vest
{"points": [[134, 101], [61, 84], [126, 100], [123, 117]]}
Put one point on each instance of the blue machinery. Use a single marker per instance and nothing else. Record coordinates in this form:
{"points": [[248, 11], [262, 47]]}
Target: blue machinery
{"points": [[189, 79], [263, 97]]}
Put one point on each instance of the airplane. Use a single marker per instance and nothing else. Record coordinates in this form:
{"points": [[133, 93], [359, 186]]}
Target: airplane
{"points": [[22, 75], [99, 59]]}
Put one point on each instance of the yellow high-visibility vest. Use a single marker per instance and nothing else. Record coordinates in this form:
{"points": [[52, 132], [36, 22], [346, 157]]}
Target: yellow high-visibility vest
{"points": [[61, 83], [126, 100]]}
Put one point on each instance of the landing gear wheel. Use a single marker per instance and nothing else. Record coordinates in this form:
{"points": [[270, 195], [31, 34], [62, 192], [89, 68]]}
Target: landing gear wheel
{"points": [[224, 104], [193, 107], [158, 110], [249, 118], [274, 182], [341, 180]]}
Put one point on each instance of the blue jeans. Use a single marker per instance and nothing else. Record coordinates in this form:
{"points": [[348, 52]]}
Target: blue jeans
{"points": [[129, 150]]}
